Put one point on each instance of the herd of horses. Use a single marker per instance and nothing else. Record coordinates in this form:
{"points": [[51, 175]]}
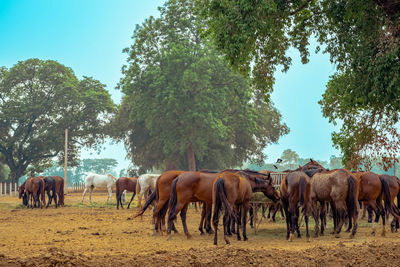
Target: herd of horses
{"points": [[310, 190]]}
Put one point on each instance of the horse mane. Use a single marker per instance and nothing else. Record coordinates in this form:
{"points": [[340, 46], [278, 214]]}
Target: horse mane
{"points": [[112, 176]]}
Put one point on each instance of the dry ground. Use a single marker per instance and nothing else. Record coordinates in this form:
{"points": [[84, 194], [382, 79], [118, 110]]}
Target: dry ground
{"points": [[100, 235]]}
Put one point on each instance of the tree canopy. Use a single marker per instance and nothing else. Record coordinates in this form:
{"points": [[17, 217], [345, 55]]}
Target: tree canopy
{"points": [[185, 107], [363, 40], [38, 101]]}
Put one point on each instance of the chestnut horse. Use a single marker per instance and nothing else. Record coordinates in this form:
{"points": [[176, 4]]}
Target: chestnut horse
{"points": [[295, 190], [161, 194], [340, 188], [372, 190], [394, 189], [233, 190], [190, 187], [128, 184]]}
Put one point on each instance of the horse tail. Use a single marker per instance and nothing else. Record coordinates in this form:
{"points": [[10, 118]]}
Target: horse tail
{"points": [[53, 189], [173, 200], [112, 176], [221, 199], [149, 200], [386, 196], [302, 188], [62, 192], [398, 196], [351, 196]]}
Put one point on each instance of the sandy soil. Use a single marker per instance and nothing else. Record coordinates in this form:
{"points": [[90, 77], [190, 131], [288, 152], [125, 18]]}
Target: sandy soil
{"points": [[100, 235]]}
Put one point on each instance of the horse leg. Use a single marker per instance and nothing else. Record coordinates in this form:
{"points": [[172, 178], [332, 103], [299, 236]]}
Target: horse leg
{"points": [[245, 209], [287, 216], [251, 211], [306, 214], [49, 196], [133, 195], [369, 213], [381, 210], [238, 213], [315, 213], [84, 193], [183, 218], [341, 214], [203, 215], [297, 223], [90, 194], [209, 230], [140, 194]]}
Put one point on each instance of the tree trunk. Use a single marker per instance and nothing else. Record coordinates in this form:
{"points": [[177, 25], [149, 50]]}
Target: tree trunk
{"points": [[191, 158]]}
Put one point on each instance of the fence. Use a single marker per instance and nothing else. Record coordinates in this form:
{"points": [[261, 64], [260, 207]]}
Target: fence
{"points": [[277, 178], [10, 189], [76, 187]]}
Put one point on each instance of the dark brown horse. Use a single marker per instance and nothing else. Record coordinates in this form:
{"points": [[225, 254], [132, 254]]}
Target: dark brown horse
{"points": [[34, 187], [22, 194], [340, 188], [295, 191], [161, 194], [50, 186], [128, 184], [394, 188]]}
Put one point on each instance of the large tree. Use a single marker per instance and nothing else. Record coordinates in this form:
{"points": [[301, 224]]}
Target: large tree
{"points": [[38, 101], [185, 107], [363, 40]]}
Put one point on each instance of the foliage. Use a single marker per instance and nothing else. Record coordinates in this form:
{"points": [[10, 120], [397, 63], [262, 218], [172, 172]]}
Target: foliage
{"points": [[363, 40], [186, 108], [38, 101]]}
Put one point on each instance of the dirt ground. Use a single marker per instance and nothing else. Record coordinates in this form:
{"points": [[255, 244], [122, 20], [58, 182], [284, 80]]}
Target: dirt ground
{"points": [[100, 235]]}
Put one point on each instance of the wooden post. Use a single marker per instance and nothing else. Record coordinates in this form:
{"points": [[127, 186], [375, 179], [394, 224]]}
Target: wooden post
{"points": [[15, 188], [66, 162], [10, 188], [1, 189]]}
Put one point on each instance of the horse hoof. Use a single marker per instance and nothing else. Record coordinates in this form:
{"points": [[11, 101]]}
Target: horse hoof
{"points": [[169, 237], [239, 238], [373, 233], [201, 233], [351, 236], [291, 237], [308, 239], [348, 231], [245, 238], [338, 236], [188, 236], [383, 233]]}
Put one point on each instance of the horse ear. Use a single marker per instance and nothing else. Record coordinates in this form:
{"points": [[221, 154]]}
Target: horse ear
{"points": [[270, 180], [311, 160]]}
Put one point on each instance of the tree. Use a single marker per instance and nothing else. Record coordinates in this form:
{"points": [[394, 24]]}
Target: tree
{"points": [[38, 101], [185, 107], [335, 162], [363, 40], [100, 166], [289, 156]]}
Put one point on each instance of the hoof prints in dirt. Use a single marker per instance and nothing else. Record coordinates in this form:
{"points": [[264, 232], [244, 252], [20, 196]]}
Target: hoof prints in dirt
{"points": [[370, 254]]}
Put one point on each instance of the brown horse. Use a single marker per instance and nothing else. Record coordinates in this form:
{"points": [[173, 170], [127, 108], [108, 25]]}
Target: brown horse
{"points": [[34, 187], [340, 188], [128, 184], [59, 189], [394, 189], [230, 190], [190, 187], [161, 194], [233, 190], [372, 190], [50, 185], [295, 190]]}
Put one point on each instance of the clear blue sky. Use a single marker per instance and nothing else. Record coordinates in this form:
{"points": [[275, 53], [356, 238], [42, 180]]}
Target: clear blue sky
{"points": [[89, 35]]}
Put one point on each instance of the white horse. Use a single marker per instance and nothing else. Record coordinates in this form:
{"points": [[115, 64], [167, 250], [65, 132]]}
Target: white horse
{"points": [[98, 180], [144, 183]]}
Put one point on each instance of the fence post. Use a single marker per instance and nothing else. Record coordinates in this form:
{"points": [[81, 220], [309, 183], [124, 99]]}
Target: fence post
{"points": [[15, 188], [1, 189]]}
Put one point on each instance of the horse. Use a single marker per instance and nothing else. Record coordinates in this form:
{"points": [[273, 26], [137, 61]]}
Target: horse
{"points": [[372, 189], [394, 189], [233, 190], [97, 180], [161, 194], [22, 194], [295, 190], [145, 182], [190, 187], [340, 188], [122, 184], [59, 189], [50, 185], [34, 187]]}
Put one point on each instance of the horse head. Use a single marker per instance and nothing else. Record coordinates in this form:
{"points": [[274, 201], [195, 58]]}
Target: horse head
{"points": [[21, 190]]}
